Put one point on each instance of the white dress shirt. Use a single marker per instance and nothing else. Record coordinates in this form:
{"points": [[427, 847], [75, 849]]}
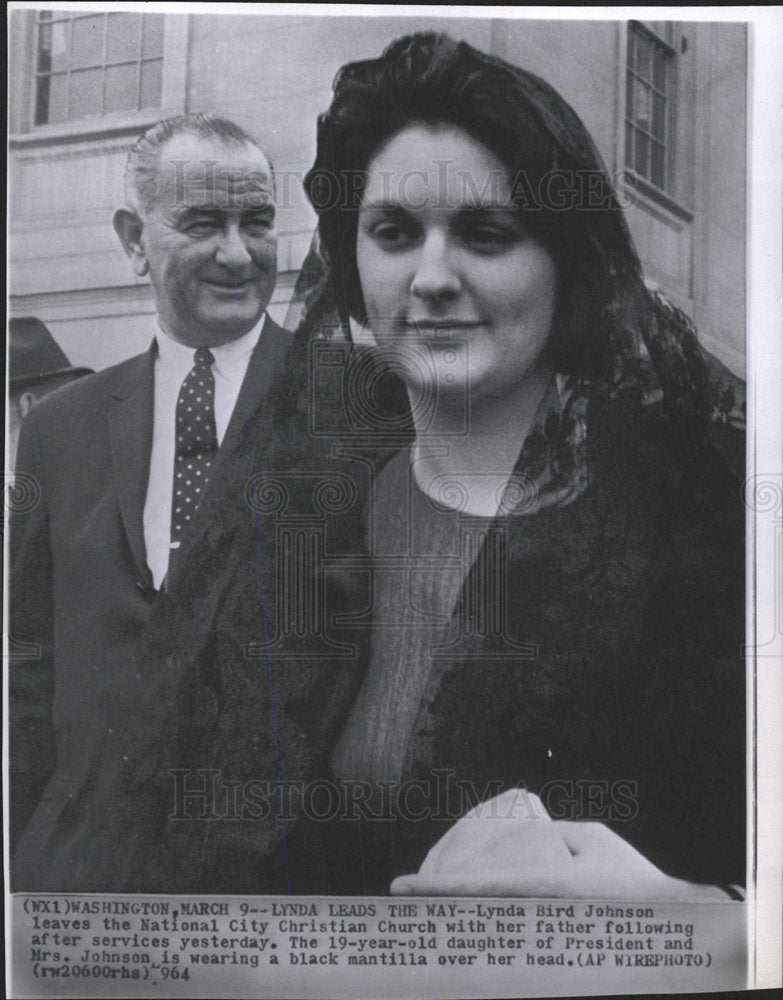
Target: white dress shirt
{"points": [[172, 363]]}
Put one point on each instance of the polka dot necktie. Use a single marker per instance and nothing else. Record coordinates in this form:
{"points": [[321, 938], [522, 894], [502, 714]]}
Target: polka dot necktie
{"points": [[196, 444]]}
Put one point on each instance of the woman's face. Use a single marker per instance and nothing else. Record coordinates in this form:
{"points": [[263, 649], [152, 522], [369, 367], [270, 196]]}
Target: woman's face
{"points": [[456, 290]]}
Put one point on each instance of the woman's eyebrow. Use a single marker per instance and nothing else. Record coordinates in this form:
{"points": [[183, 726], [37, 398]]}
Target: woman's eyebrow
{"points": [[490, 209], [474, 209], [384, 205]]}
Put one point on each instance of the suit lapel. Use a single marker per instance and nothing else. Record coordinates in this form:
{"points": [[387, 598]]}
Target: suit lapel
{"points": [[130, 433], [266, 361]]}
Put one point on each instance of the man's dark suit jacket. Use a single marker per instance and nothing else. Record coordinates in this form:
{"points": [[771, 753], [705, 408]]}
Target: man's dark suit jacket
{"points": [[81, 592]]}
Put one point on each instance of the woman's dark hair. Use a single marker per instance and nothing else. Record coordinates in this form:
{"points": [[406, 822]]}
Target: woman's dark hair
{"points": [[557, 177]]}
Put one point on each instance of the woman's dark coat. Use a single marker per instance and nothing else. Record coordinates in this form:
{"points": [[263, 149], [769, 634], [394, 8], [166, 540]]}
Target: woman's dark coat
{"points": [[630, 710]]}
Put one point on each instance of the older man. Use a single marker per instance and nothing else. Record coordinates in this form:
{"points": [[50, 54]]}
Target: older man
{"points": [[121, 462]]}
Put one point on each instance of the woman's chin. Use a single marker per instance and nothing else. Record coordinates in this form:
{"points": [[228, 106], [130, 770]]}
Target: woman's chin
{"points": [[434, 402]]}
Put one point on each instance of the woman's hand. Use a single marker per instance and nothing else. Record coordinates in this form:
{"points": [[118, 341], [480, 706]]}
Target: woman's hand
{"points": [[509, 846]]}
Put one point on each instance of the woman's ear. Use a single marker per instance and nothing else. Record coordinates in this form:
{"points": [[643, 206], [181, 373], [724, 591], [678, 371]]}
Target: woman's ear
{"points": [[129, 228]]}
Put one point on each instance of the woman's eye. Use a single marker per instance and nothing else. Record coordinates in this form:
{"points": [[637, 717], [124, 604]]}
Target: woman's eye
{"points": [[490, 236], [392, 234]]}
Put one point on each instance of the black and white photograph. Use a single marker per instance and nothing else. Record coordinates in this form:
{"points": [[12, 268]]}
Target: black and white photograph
{"points": [[393, 505]]}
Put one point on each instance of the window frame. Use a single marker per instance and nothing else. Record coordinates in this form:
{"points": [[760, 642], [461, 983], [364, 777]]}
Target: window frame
{"points": [[671, 47], [176, 30], [103, 63]]}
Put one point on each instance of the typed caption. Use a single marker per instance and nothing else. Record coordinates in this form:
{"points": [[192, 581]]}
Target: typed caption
{"points": [[305, 947]]}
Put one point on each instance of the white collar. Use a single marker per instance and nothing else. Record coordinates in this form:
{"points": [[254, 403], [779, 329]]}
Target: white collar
{"points": [[228, 357]]}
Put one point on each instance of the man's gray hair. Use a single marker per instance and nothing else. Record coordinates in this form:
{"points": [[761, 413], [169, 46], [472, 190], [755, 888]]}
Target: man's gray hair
{"points": [[141, 169]]}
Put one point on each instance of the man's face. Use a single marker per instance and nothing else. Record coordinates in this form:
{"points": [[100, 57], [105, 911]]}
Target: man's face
{"points": [[210, 240]]}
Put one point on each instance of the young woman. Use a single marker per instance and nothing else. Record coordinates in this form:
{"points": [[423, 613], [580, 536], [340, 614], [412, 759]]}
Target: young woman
{"points": [[513, 662], [557, 560]]}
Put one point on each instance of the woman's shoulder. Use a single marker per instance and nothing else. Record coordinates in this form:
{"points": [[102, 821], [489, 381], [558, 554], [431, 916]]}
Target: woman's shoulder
{"points": [[655, 442], [664, 481]]}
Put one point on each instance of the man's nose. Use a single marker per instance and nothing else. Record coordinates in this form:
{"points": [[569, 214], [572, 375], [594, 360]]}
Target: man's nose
{"points": [[436, 275], [232, 250]]}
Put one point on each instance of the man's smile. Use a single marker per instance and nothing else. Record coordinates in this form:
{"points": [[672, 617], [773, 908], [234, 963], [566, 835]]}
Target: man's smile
{"points": [[230, 286]]}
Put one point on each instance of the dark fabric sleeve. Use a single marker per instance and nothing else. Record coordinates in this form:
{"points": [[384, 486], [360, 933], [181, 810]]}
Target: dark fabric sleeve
{"points": [[693, 665], [30, 638]]}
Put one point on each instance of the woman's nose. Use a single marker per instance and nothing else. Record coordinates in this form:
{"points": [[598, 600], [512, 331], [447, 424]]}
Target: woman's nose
{"points": [[232, 251], [436, 276]]}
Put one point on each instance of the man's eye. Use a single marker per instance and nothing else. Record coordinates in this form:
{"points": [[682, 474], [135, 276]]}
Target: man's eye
{"points": [[201, 227], [259, 223]]}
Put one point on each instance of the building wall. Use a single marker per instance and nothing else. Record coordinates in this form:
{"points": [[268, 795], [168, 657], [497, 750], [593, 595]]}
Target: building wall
{"points": [[273, 75], [719, 132]]}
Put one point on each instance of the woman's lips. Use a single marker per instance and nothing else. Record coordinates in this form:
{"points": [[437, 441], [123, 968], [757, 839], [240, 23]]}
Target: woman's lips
{"points": [[440, 327]]}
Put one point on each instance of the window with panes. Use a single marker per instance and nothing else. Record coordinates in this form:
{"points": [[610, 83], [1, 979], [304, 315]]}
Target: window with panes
{"points": [[92, 64], [650, 101]]}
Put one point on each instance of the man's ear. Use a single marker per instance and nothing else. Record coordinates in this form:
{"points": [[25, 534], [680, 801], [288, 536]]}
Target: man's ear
{"points": [[26, 400], [129, 227]]}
